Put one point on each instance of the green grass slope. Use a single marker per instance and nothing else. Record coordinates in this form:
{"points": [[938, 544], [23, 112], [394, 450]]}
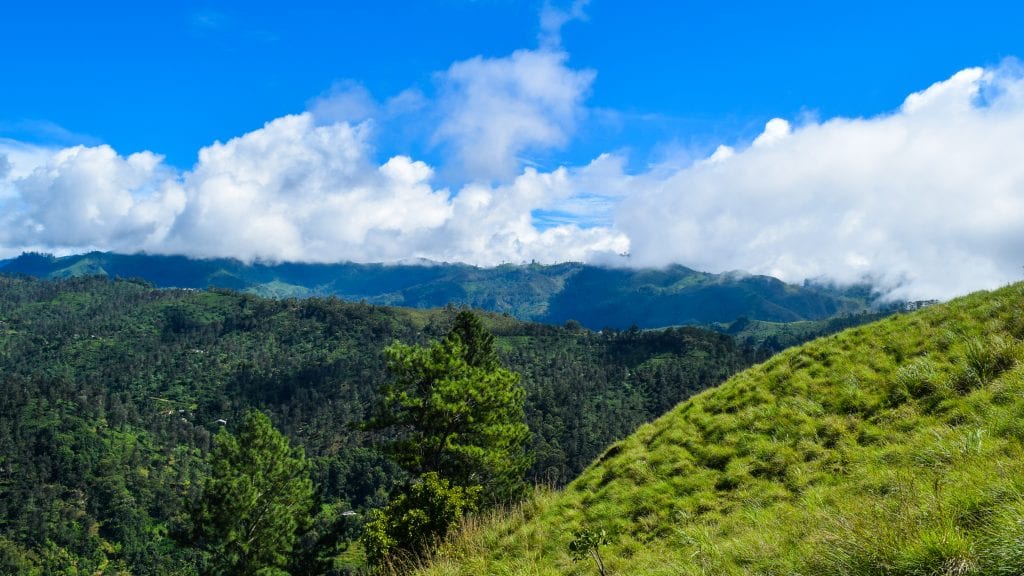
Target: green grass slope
{"points": [[893, 448]]}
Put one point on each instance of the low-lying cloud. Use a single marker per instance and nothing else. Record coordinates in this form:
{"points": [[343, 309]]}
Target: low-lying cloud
{"points": [[925, 200]]}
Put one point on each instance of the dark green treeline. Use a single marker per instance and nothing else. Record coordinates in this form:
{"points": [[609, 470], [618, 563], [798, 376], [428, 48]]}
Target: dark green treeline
{"points": [[111, 393]]}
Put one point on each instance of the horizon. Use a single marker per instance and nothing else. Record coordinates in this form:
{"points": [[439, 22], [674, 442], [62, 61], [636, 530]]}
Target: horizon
{"points": [[717, 137]]}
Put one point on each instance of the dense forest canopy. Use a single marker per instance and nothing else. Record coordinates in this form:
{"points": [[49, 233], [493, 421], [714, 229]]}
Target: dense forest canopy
{"points": [[112, 391]]}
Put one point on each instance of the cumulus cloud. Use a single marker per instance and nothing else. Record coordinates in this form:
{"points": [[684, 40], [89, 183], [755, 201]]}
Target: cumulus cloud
{"points": [[487, 115], [493, 110], [293, 190], [497, 224], [89, 196], [927, 200]]}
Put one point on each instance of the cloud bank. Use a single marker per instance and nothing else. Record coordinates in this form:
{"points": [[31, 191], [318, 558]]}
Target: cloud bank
{"points": [[292, 190], [926, 200]]}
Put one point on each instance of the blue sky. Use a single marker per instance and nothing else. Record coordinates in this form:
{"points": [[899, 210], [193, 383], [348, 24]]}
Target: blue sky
{"points": [[172, 77], [846, 141]]}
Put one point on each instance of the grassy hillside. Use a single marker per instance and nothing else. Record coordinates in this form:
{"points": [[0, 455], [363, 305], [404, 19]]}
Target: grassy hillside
{"points": [[594, 296], [893, 448]]}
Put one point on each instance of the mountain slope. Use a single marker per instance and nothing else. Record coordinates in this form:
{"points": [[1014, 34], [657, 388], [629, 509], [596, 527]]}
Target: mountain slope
{"points": [[892, 448], [110, 392], [594, 296]]}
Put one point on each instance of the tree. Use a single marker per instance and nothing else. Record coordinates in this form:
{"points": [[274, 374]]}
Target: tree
{"points": [[413, 520], [587, 542], [256, 502], [461, 437], [458, 412], [477, 341]]}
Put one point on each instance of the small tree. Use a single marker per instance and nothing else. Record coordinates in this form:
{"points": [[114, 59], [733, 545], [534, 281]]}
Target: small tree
{"points": [[416, 518], [587, 542], [256, 502]]}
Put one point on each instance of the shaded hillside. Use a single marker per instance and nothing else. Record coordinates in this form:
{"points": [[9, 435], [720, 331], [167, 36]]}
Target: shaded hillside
{"points": [[678, 295], [893, 448], [594, 296], [110, 392]]}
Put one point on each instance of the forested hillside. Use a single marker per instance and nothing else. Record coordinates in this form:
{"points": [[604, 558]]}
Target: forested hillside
{"points": [[110, 392], [595, 296], [894, 448]]}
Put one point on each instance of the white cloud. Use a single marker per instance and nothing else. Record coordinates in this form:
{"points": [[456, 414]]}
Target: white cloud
{"points": [[775, 130], [494, 109], [721, 153], [88, 196], [291, 190], [952, 96], [928, 199], [496, 224], [344, 102], [22, 158], [351, 102], [552, 19]]}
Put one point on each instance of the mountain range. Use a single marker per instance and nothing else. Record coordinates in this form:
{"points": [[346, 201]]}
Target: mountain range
{"points": [[596, 297]]}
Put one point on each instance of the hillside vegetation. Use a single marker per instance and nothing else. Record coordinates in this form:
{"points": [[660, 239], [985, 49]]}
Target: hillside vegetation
{"points": [[893, 448], [111, 393], [597, 297]]}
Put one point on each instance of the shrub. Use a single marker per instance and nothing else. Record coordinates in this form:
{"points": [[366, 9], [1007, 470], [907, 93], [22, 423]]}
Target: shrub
{"points": [[416, 519]]}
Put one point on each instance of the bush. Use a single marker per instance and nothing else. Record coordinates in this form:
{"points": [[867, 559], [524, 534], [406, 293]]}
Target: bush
{"points": [[415, 520], [984, 359]]}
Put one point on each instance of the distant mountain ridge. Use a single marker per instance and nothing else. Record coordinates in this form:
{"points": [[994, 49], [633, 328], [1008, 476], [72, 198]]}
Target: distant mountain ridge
{"points": [[595, 296]]}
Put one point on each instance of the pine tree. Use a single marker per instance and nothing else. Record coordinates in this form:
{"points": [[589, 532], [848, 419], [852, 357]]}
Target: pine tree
{"points": [[462, 437], [256, 502], [464, 422], [477, 341]]}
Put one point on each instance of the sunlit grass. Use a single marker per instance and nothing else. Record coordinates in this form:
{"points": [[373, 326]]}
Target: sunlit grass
{"points": [[894, 448]]}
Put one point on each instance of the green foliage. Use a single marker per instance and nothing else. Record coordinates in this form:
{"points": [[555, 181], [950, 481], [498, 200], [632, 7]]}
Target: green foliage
{"points": [[477, 343], [416, 519], [587, 542], [256, 503], [458, 412], [111, 391], [893, 448]]}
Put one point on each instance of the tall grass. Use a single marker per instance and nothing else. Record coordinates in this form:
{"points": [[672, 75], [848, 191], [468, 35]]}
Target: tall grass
{"points": [[894, 448]]}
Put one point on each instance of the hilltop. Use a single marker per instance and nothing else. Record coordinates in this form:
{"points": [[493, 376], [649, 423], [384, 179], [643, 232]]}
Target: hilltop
{"points": [[596, 297], [891, 448]]}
